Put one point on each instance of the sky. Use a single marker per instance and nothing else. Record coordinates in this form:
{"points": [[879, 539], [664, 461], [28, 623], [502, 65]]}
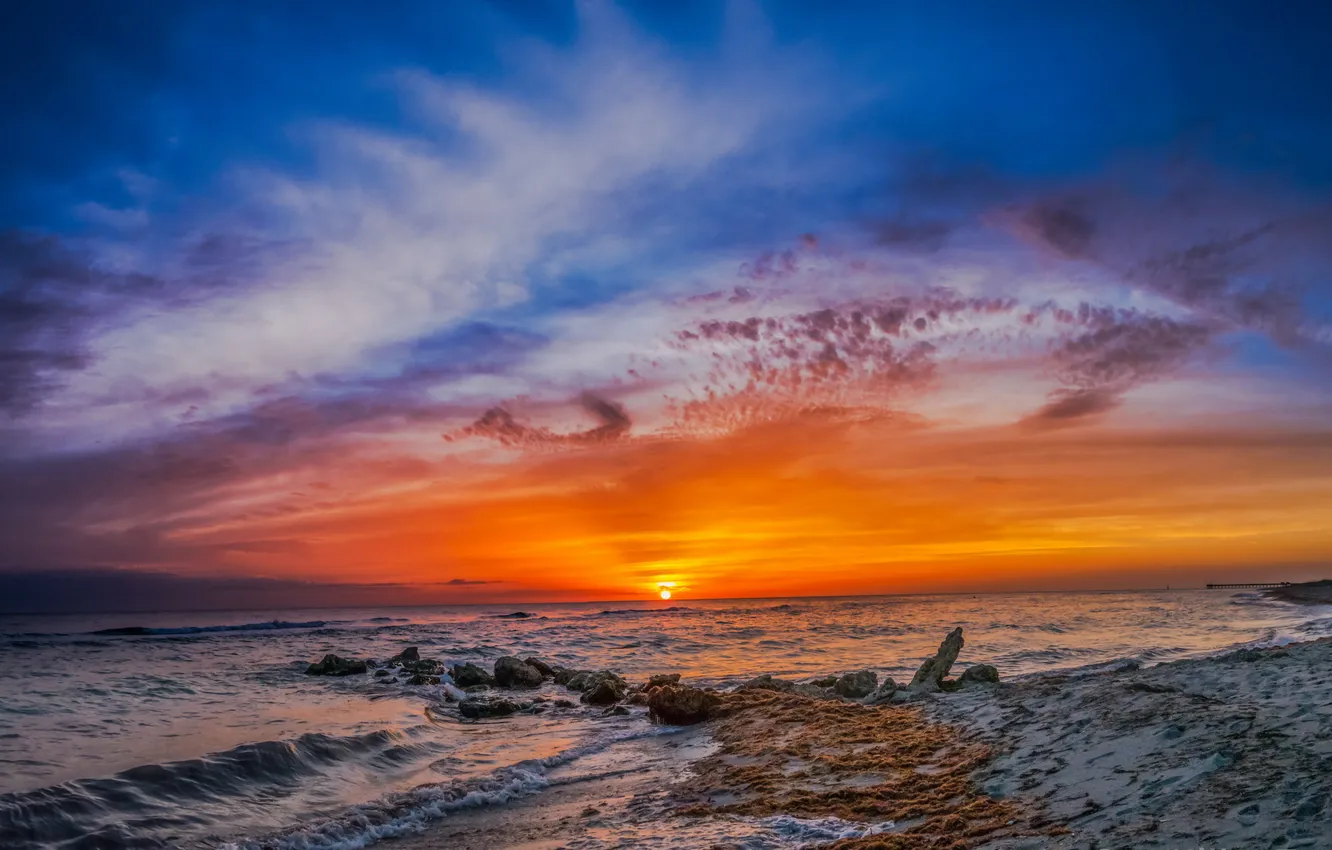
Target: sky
{"points": [[345, 304]]}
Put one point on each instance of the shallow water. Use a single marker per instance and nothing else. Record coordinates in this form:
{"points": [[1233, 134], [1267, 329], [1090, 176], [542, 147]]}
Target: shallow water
{"points": [[194, 729]]}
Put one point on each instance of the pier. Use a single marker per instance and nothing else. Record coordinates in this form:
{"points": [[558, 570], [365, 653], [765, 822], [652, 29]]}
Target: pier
{"points": [[1249, 584]]}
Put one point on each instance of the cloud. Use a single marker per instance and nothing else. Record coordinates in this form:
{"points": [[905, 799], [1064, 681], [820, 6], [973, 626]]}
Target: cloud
{"points": [[500, 425], [455, 582]]}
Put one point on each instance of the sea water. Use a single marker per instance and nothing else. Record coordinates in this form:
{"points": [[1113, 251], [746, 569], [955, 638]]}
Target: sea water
{"points": [[202, 729]]}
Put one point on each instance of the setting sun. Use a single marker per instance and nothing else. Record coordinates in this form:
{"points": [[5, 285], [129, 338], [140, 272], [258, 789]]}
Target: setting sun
{"points": [[665, 594]]}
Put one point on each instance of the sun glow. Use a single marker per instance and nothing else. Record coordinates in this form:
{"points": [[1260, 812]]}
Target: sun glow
{"points": [[665, 594]]}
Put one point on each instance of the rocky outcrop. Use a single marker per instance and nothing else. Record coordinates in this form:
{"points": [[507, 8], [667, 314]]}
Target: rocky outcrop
{"points": [[857, 685], [604, 688], [411, 653], [884, 693], [825, 682], [477, 709], [681, 705], [512, 672], [767, 682], [934, 670], [979, 674], [661, 680], [565, 675], [423, 679], [469, 675], [334, 665], [424, 666], [546, 670]]}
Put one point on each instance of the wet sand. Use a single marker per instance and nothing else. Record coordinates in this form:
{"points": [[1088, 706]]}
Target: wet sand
{"points": [[1229, 752]]}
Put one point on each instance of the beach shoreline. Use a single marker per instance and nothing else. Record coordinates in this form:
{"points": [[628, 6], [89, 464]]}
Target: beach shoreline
{"points": [[1228, 751]]}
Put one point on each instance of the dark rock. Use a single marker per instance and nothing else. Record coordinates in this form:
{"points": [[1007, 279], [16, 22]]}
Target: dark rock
{"points": [[564, 675], [564, 703], [425, 666], [411, 653], [580, 681], [979, 674], [477, 689], [604, 688], [545, 669], [422, 679], [639, 697], [512, 672], [333, 665], [476, 709], [857, 685], [467, 675], [825, 682], [766, 682], [661, 679], [932, 672], [884, 693], [517, 615], [615, 711], [382, 672], [681, 705]]}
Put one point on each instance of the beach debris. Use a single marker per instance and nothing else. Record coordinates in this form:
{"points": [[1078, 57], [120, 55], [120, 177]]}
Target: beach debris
{"points": [[979, 674], [857, 685], [934, 670], [681, 705], [476, 709], [468, 674], [604, 688], [546, 670], [512, 672], [335, 665]]}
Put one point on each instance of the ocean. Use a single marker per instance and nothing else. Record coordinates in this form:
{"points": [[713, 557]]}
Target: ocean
{"points": [[201, 730]]}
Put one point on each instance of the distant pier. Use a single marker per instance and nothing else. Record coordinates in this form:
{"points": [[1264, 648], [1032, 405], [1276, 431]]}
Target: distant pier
{"points": [[1249, 584]]}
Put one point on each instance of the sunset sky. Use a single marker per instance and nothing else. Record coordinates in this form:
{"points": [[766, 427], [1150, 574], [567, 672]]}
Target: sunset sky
{"points": [[348, 303]]}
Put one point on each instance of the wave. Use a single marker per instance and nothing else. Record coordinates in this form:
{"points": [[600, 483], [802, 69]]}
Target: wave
{"points": [[140, 801], [620, 612], [142, 631], [412, 811]]}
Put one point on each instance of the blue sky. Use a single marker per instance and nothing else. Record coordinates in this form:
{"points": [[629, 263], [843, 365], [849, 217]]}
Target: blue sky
{"points": [[245, 245]]}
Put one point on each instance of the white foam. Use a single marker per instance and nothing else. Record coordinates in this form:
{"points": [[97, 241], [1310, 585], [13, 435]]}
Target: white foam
{"points": [[413, 811], [820, 830]]}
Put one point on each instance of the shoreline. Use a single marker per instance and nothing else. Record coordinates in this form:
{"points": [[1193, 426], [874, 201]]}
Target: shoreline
{"points": [[1227, 751]]}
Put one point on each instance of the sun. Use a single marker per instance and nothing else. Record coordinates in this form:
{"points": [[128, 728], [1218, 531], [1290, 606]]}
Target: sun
{"points": [[665, 594]]}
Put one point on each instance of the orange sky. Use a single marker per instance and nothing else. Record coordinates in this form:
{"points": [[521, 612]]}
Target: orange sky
{"points": [[821, 504]]}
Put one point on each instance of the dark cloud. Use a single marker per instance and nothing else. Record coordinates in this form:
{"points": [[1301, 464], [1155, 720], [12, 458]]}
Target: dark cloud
{"points": [[65, 591], [499, 424], [1111, 352]]}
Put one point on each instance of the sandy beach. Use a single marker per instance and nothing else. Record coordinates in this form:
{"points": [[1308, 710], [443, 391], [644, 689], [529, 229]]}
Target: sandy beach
{"points": [[1233, 751]]}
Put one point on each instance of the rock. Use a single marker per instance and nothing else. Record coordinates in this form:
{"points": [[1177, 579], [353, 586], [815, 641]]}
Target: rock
{"points": [[979, 674], [766, 682], [423, 679], [581, 680], [857, 685], [425, 666], [334, 665], [565, 675], [932, 672], [564, 703], [604, 688], [512, 672], [681, 705], [825, 682], [411, 653], [382, 672], [545, 669], [476, 709], [661, 679], [476, 689], [615, 711], [516, 615], [884, 693], [811, 691], [467, 675], [639, 697]]}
